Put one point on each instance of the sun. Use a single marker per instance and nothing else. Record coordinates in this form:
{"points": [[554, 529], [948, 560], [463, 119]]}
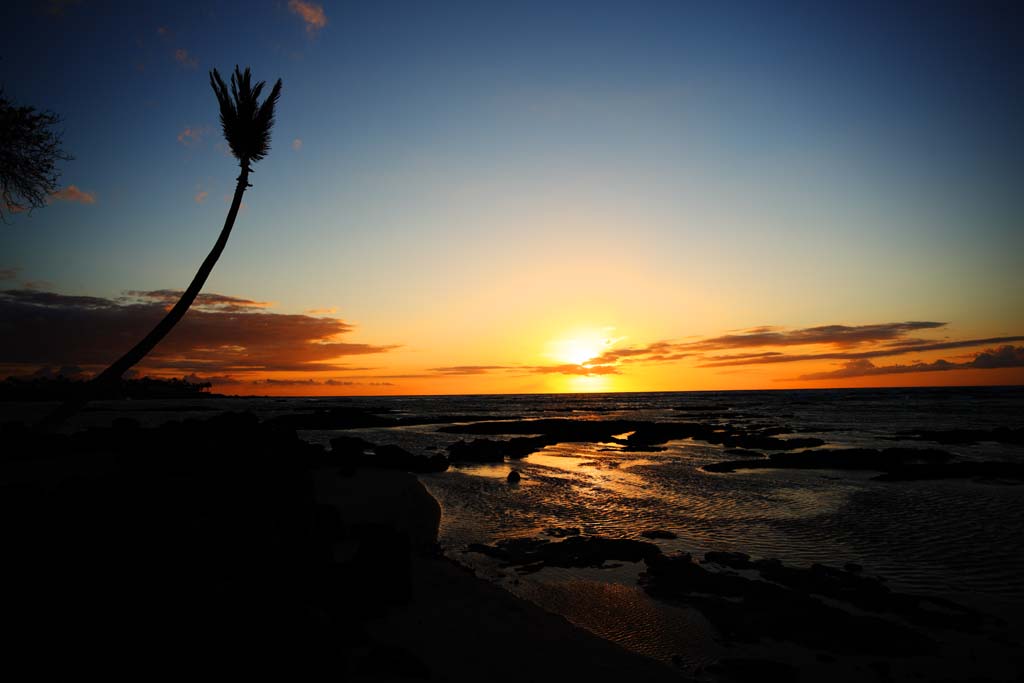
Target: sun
{"points": [[580, 347]]}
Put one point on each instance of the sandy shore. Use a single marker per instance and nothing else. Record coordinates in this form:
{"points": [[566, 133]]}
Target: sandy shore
{"points": [[460, 627]]}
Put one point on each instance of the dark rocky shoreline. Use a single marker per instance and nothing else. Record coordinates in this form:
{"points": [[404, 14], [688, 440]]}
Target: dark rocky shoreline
{"points": [[230, 545], [230, 536]]}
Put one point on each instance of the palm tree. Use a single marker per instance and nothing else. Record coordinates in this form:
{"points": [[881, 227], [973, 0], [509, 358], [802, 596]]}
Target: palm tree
{"points": [[246, 123]]}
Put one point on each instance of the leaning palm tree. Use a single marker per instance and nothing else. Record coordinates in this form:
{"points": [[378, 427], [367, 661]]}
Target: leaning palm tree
{"points": [[246, 123]]}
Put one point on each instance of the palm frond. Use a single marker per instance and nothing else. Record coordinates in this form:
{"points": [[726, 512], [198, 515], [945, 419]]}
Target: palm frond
{"points": [[245, 121]]}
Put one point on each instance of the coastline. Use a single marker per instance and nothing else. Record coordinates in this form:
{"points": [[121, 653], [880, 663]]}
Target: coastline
{"points": [[460, 626], [239, 524], [232, 545]]}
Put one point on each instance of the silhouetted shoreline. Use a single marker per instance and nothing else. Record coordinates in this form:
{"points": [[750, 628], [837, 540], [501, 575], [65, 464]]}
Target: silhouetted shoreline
{"points": [[230, 542], [61, 388], [251, 540]]}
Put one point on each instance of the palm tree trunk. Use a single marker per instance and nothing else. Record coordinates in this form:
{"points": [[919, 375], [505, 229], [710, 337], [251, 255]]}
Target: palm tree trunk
{"points": [[113, 374]]}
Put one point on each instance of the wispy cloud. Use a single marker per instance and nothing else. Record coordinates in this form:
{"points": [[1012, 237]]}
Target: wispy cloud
{"points": [[37, 284], [297, 144], [192, 135], [9, 273], [204, 300], [855, 344], [72, 193], [182, 56], [309, 382], [322, 311], [201, 196], [835, 335], [558, 369], [469, 369], [991, 359], [311, 14], [882, 352]]}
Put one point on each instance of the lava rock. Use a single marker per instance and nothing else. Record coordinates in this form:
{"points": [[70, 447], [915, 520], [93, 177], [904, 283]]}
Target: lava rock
{"points": [[658, 533]]}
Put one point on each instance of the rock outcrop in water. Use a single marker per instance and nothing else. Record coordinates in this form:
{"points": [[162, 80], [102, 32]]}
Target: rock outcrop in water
{"points": [[490, 450], [819, 607], [747, 610], [354, 451], [530, 555], [896, 464], [643, 436]]}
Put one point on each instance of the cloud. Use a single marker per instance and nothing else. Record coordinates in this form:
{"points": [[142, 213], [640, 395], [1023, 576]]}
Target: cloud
{"points": [[163, 31], [560, 369], [573, 369], [658, 352], [72, 193], [191, 136], [884, 351], [470, 369], [853, 343], [201, 196], [309, 382], [836, 335], [182, 56], [321, 311], [297, 144], [203, 300], [1003, 357], [9, 273], [221, 335], [994, 358], [313, 15]]}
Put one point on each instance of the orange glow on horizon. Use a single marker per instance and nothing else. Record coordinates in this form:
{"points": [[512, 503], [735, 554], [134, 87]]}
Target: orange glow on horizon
{"points": [[580, 346]]}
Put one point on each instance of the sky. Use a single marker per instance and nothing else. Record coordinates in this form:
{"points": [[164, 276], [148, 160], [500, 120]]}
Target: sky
{"points": [[494, 197]]}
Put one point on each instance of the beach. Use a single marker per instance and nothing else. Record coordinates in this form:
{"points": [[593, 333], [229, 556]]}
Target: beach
{"points": [[114, 571], [645, 536]]}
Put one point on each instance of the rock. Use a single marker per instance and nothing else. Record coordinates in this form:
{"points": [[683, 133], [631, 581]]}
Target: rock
{"points": [[488, 450], [658, 533], [749, 610], [562, 532], [646, 436], [743, 669], [397, 458], [351, 446], [354, 451], [578, 551], [513, 477], [733, 560]]}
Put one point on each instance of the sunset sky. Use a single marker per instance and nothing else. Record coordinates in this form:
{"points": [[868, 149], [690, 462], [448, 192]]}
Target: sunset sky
{"points": [[515, 197]]}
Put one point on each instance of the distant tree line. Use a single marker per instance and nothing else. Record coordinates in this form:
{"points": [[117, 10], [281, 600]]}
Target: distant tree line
{"points": [[61, 388]]}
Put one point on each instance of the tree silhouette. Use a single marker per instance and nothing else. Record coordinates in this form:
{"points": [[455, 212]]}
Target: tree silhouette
{"points": [[246, 123], [29, 152]]}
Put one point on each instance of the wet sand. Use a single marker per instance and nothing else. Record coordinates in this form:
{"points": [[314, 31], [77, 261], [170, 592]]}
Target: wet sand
{"points": [[464, 628]]}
